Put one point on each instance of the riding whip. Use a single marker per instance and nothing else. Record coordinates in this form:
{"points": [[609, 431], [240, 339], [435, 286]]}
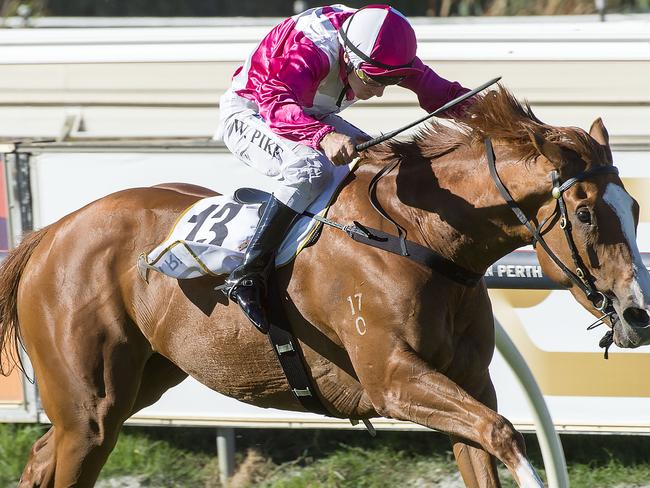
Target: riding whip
{"points": [[446, 106]]}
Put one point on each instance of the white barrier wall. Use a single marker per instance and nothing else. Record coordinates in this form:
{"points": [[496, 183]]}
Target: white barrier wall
{"points": [[584, 392], [166, 82]]}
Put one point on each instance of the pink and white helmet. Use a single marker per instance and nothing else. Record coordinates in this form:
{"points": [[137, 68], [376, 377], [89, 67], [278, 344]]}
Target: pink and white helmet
{"points": [[380, 40]]}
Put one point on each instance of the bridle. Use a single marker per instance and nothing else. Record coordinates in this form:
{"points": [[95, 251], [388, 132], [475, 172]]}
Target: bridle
{"points": [[581, 278]]}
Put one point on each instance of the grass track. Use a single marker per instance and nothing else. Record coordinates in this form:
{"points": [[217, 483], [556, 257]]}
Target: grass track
{"points": [[186, 457]]}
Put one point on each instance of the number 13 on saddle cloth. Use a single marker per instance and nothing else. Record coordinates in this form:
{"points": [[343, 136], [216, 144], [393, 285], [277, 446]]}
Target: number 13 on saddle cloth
{"points": [[210, 237]]}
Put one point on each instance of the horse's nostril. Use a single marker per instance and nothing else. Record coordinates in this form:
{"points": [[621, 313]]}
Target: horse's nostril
{"points": [[636, 317]]}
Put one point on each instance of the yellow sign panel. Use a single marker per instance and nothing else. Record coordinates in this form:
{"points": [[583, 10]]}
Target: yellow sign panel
{"points": [[571, 373]]}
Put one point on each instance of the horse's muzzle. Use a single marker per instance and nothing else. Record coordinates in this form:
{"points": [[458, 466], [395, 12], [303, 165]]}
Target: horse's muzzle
{"points": [[632, 329], [636, 317]]}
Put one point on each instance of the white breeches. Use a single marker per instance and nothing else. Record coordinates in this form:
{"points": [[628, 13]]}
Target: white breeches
{"points": [[303, 172]]}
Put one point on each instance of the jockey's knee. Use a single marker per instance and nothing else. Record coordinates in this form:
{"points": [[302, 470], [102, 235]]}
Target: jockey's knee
{"points": [[306, 181], [316, 180]]}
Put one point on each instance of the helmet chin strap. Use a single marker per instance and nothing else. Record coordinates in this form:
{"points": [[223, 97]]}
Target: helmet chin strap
{"points": [[349, 65]]}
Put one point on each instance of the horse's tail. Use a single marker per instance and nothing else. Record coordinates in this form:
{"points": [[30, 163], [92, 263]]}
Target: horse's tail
{"points": [[11, 271]]}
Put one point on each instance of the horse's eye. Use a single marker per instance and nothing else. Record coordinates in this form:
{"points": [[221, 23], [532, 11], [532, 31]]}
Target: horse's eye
{"points": [[584, 216]]}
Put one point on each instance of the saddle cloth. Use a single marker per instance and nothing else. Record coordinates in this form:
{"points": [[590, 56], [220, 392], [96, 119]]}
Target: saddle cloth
{"points": [[210, 237]]}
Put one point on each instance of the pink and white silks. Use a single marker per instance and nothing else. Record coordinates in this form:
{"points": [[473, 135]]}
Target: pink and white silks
{"points": [[283, 100]]}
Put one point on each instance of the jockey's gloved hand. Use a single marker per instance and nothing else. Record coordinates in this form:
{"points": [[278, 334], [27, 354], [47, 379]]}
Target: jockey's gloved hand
{"points": [[339, 148]]}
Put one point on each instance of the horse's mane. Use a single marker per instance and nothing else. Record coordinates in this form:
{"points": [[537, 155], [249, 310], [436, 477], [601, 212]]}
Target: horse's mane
{"points": [[498, 115]]}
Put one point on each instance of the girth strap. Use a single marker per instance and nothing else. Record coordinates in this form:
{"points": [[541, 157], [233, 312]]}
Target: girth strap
{"points": [[287, 349]]}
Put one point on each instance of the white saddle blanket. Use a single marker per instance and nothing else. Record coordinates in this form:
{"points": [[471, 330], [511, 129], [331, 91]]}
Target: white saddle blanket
{"points": [[211, 236]]}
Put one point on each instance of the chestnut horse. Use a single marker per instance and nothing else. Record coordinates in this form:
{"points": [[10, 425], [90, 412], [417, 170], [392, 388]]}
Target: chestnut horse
{"points": [[104, 344]]}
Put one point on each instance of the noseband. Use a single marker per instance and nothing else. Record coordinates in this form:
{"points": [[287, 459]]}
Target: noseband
{"points": [[581, 278]]}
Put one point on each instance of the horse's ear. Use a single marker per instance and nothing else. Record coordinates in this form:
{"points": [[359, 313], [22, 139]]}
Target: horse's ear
{"points": [[550, 151], [599, 132], [601, 136]]}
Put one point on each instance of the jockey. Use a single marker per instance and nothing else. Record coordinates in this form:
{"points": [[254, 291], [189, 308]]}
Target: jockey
{"points": [[278, 115]]}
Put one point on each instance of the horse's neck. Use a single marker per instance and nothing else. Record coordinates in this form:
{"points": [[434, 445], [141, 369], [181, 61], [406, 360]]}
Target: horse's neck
{"points": [[451, 206]]}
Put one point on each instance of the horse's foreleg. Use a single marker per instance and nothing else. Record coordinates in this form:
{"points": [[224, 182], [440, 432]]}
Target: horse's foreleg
{"points": [[82, 452], [404, 387], [477, 466]]}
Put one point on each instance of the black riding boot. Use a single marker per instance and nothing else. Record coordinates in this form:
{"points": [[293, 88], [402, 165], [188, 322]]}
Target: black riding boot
{"points": [[247, 282]]}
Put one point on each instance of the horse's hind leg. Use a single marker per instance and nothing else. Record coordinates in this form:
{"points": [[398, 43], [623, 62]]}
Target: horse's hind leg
{"points": [[39, 470], [89, 366], [158, 376]]}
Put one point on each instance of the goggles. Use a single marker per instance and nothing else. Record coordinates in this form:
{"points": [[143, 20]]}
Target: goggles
{"points": [[378, 80]]}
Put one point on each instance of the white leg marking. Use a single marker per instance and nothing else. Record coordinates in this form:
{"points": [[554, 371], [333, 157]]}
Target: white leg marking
{"points": [[527, 475], [618, 199]]}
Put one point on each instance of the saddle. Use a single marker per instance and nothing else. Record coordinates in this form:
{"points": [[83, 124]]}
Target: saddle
{"points": [[249, 196], [211, 236]]}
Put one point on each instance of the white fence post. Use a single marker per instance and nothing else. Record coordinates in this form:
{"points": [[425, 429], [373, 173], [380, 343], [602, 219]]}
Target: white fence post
{"points": [[549, 441], [226, 454]]}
